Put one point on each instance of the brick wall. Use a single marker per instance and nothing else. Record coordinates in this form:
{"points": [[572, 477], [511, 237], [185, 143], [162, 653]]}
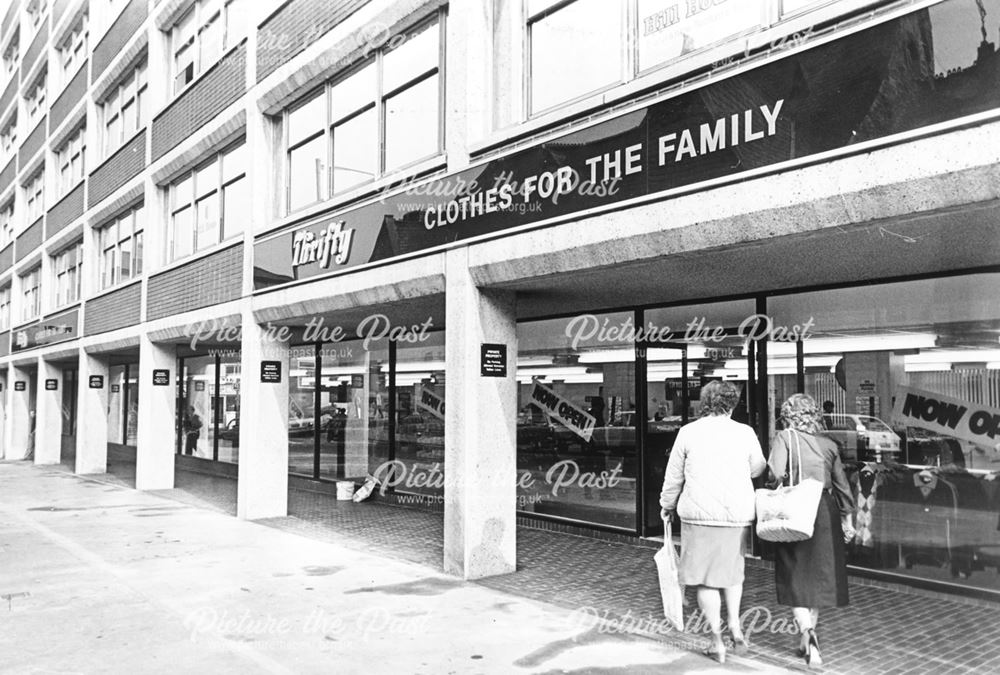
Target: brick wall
{"points": [[29, 240], [32, 144], [36, 48], [7, 257], [118, 35], [119, 168], [117, 309], [8, 173], [296, 25], [9, 17], [8, 94], [219, 87], [68, 209], [68, 99], [208, 281]]}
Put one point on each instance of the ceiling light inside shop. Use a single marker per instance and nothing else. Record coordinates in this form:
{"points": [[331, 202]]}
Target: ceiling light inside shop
{"points": [[861, 343], [954, 355]]}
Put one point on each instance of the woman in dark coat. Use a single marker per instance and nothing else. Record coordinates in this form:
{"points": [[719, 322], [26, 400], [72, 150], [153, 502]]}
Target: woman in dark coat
{"points": [[813, 573]]}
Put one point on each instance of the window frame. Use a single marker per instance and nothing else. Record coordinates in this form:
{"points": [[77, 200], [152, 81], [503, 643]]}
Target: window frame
{"points": [[109, 270], [35, 9], [202, 13], [212, 166], [73, 148], [11, 55], [7, 224], [8, 134], [436, 20], [5, 305], [67, 277], [34, 102], [34, 196], [31, 294], [130, 90], [73, 49]]}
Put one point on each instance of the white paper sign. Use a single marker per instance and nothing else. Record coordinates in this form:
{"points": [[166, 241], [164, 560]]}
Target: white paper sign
{"points": [[572, 417], [946, 415]]}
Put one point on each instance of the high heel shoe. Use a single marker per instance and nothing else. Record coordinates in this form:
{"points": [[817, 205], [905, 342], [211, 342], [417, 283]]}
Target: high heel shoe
{"points": [[717, 649], [740, 645], [811, 651]]}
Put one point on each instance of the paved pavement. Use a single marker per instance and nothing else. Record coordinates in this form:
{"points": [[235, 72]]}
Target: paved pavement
{"points": [[883, 631], [98, 578]]}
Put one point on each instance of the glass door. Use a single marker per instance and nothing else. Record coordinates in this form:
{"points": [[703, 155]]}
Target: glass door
{"points": [[666, 398]]}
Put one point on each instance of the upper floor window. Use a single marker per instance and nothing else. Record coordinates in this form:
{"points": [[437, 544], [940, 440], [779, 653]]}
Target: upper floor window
{"points": [[34, 202], [8, 134], [73, 50], [199, 39], [6, 224], [126, 109], [70, 159], [11, 55], [35, 10], [67, 266], [5, 307], [31, 305], [575, 48], [382, 116], [120, 243], [209, 204], [34, 99]]}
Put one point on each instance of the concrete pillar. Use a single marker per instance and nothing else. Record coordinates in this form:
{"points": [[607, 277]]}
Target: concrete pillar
{"points": [[92, 416], [19, 407], [49, 419], [480, 451], [262, 489], [4, 408], [155, 445]]}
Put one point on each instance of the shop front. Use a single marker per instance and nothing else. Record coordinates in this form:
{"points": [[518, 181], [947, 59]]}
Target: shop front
{"points": [[777, 226]]}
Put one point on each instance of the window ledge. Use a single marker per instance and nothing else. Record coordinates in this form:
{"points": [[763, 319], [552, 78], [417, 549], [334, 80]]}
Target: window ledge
{"points": [[196, 256], [62, 310], [398, 179], [111, 289]]}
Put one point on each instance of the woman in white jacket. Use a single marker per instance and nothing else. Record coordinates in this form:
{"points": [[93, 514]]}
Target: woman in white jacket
{"points": [[708, 484]]}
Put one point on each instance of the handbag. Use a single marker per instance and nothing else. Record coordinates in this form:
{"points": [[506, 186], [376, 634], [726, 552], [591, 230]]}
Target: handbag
{"points": [[789, 513], [671, 590]]}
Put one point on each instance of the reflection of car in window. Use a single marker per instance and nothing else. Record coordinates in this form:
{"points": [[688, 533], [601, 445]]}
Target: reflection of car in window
{"points": [[922, 446], [862, 437]]}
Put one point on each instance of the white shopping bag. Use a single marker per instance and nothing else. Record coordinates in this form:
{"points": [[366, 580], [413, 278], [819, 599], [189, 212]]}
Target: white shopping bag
{"points": [[670, 586]]}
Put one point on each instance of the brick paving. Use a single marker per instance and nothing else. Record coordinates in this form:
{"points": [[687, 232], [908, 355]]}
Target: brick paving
{"points": [[883, 630]]}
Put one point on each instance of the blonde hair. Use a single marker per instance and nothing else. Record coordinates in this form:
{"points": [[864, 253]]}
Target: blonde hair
{"points": [[719, 398], [801, 413]]}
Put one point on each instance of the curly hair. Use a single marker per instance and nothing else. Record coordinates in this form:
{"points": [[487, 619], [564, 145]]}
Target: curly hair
{"points": [[801, 413], [719, 398]]}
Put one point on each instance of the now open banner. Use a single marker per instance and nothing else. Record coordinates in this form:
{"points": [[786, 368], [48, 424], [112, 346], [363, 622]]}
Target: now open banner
{"points": [[572, 417], [947, 415]]}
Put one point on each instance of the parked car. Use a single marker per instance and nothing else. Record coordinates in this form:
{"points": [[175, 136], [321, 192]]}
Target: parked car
{"points": [[862, 437], [922, 446]]}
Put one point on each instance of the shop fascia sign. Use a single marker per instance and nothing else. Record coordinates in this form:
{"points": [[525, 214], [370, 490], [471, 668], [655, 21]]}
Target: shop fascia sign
{"points": [[56, 329], [774, 115], [329, 244]]}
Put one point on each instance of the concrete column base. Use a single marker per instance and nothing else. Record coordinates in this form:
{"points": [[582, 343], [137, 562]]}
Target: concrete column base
{"points": [[92, 417], [480, 429], [49, 419], [156, 433], [262, 489]]}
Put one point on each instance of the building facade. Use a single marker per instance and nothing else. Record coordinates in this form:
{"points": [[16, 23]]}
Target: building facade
{"points": [[489, 251]]}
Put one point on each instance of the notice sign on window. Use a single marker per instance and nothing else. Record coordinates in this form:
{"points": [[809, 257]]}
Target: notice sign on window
{"points": [[51, 385], [947, 415], [573, 418], [270, 372], [493, 360], [161, 377], [96, 381]]}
